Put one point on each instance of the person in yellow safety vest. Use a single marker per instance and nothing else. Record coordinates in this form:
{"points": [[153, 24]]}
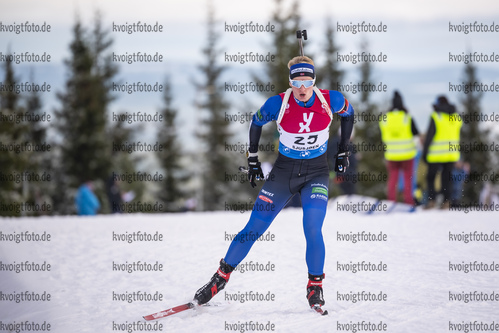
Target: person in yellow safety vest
{"points": [[441, 148], [397, 133]]}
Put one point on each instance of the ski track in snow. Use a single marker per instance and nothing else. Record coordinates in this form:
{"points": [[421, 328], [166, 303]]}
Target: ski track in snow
{"points": [[417, 281]]}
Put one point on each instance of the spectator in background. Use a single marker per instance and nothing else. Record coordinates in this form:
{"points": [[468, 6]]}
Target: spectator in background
{"points": [[489, 195], [459, 174], [114, 195], [400, 185], [397, 133], [86, 201], [441, 149]]}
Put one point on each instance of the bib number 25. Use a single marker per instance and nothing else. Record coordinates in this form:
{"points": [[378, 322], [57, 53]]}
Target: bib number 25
{"points": [[309, 140]]}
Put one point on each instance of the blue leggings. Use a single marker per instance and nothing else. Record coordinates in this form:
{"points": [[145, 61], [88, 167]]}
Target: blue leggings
{"points": [[310, 179]]}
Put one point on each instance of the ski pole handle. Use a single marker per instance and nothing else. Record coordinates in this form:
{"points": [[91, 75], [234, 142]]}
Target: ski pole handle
{"points": [[299, 35]]}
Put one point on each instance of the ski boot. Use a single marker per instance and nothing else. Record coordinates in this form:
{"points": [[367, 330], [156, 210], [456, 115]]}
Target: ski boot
{"points": [[314, 291], [217, 283]]}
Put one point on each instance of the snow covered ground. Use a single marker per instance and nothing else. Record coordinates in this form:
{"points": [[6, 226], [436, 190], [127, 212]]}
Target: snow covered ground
{"points": [[88, 289]]}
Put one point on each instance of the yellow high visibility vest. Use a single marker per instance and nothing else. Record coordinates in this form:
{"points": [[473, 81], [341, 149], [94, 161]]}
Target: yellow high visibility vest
{"points": [[396, 133], [445, 144]]}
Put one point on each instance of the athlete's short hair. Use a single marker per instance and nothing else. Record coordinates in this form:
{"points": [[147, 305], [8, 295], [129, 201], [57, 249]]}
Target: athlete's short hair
{"points": [[300, 60]]}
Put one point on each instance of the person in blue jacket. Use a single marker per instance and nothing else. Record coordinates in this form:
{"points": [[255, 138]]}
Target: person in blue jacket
{"points": [[303, 115], [86, 201]]}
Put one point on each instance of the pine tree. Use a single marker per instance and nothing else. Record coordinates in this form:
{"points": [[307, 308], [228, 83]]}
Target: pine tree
{"points": [[9, 98], [40, 163], [214, 132], [82, 119], [74, 117], [37, 128], [69, 118], [122, 164], [11, 133], [103, 68], [371, 161], [473, 132], [172, 186], [10, 104]]}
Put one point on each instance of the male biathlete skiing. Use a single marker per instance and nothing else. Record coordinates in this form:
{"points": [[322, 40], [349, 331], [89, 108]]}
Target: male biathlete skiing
{"points": [[303, 115]]}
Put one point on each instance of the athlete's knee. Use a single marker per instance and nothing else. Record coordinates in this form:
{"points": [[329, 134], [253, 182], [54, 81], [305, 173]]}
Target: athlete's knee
{"points": [[254, 228], [313, 234]]}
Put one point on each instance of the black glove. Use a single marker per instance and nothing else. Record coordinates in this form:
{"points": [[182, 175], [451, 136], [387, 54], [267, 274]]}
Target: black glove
{"points": [[254, 170], [341, 164]]}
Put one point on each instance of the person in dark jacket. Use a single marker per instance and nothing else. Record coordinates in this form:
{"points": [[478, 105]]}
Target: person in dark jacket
{"points": [[114, 195], [397, 132], [441, 148]]}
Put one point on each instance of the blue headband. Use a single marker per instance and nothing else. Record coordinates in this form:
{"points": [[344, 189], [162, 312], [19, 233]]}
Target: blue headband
{"points": [[301, 69]]}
